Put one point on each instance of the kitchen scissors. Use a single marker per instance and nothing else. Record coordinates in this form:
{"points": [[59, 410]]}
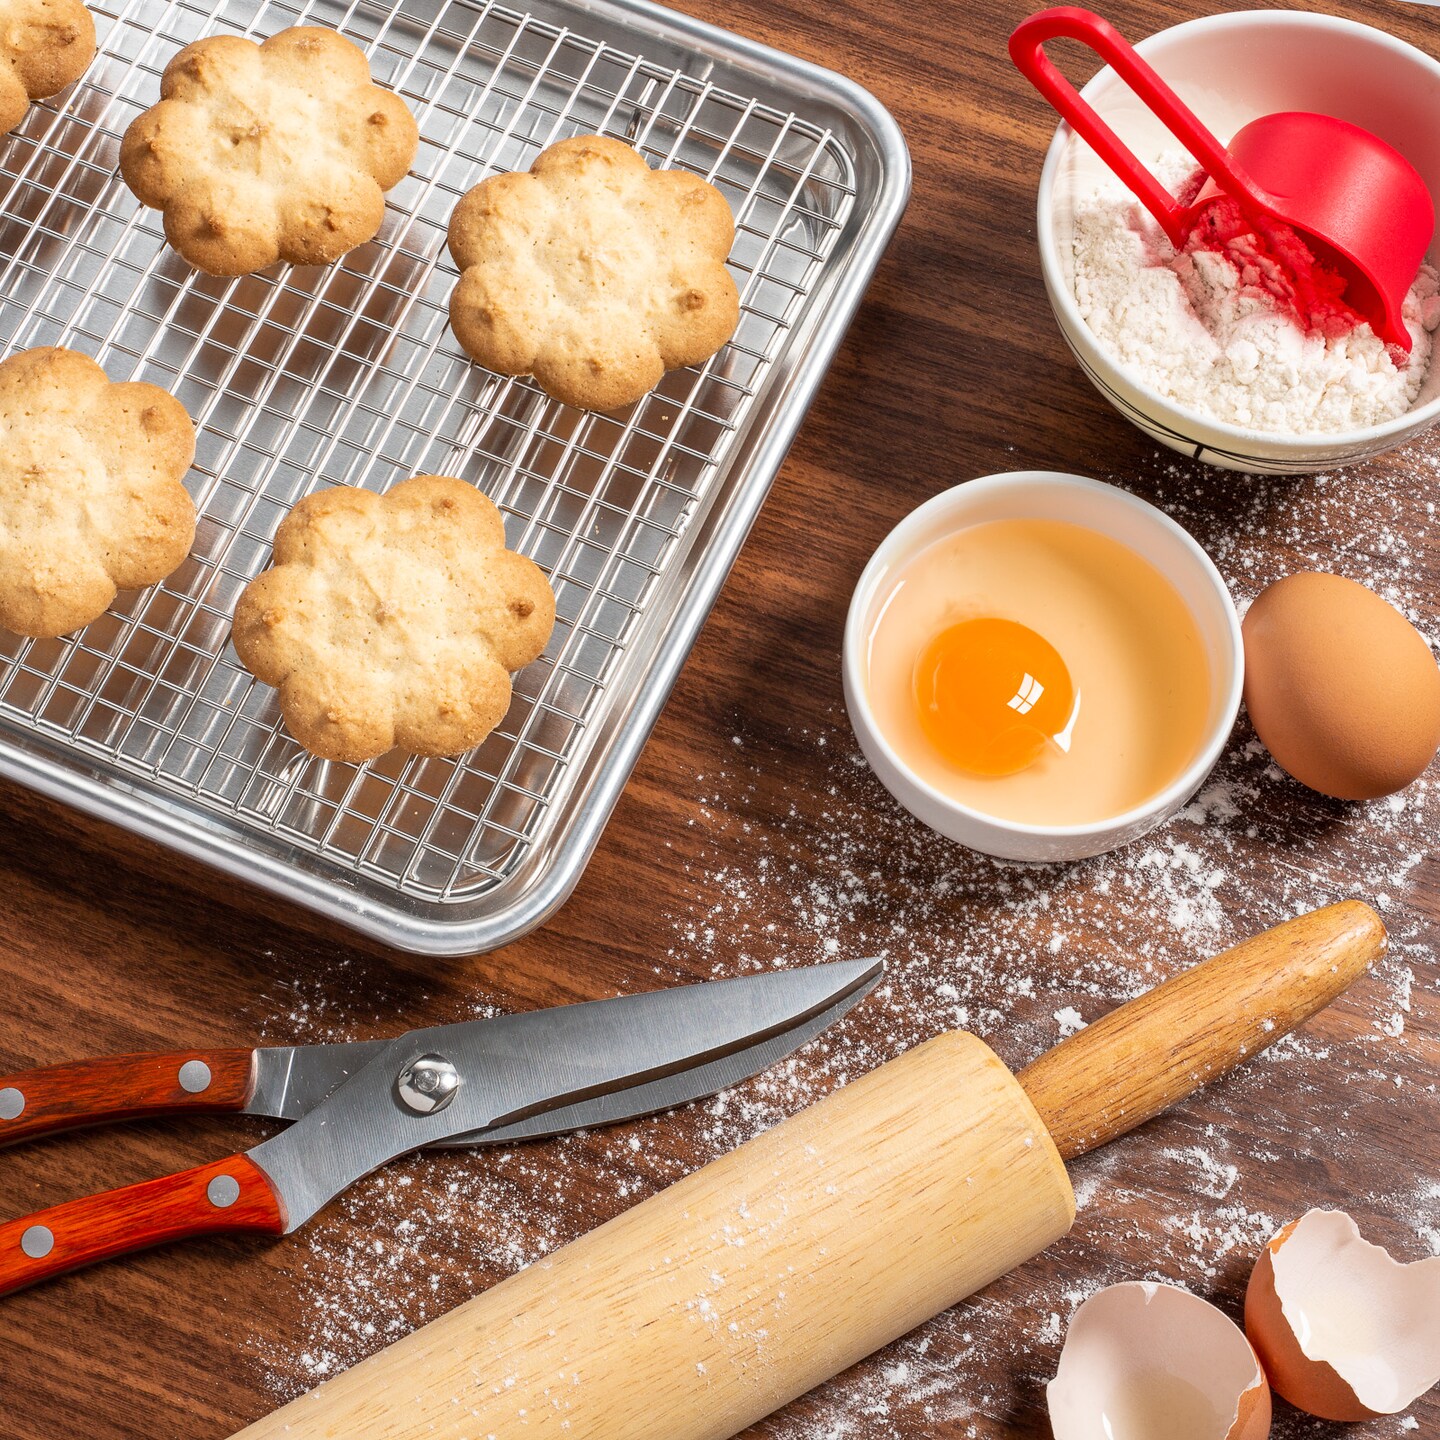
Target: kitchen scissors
{"points": [[354, 1107]]}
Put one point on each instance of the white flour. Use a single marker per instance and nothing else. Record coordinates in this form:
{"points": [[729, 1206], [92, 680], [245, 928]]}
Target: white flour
{"points": [[1210, 336]]}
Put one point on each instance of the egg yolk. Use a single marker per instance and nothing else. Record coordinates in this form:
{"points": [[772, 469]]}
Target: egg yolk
{"points": [[991, 694]]}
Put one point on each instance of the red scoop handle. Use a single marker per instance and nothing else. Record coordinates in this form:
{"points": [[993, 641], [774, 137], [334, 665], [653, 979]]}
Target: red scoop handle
{"points": [[1070, 22], [231, 1194]]}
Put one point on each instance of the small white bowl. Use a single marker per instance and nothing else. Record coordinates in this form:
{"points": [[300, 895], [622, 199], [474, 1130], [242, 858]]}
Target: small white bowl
{"points": [[1038, 494], [1230, 69]]}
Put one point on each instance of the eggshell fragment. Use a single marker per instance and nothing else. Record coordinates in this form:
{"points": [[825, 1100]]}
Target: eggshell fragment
{"points": [[1143, 1360], [1345, 1331], [1342, 690]]}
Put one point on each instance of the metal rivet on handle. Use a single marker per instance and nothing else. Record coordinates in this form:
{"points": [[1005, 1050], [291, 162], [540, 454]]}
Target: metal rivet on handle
{"points": [[12, 1103], [37, 1242], [194, 1077], [223, 1191]]}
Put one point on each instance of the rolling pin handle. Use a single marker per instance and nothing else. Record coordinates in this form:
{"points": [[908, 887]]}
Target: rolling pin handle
{"points": [[1138, 1060]]}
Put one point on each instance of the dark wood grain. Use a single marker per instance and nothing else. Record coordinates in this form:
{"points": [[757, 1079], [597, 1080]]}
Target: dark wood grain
{"points": [[106, 1089], [954, 368]]}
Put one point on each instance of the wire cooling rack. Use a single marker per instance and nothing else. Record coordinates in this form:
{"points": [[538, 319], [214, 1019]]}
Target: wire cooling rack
{"points": [[302, 378]]}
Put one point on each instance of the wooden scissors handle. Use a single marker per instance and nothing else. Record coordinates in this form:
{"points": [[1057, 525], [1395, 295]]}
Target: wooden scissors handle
{"points": [[229, 1195], [123, 1087]]}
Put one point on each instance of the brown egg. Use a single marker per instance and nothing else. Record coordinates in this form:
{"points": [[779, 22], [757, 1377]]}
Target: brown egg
{"points": [[1341, 688]]}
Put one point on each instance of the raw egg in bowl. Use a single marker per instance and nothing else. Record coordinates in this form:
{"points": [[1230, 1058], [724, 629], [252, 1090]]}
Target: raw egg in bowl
{"points": [[1041, 666]]}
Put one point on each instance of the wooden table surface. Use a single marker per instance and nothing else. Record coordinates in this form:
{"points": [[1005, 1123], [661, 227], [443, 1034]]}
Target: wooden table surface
{"points": [[751, 834]]}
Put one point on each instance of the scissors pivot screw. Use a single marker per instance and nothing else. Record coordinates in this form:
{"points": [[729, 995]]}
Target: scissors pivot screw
{"points": [[428, 1084]]}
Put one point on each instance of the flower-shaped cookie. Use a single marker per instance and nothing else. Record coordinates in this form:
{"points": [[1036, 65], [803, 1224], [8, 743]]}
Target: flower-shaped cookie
{"points": [[44, 46], [90, 494], [280, 151], [393, 620], [593, 273]]}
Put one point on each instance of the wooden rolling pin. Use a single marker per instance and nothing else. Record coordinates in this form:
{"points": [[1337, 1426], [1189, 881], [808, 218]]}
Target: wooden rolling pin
{"points": [[703, 1309]]}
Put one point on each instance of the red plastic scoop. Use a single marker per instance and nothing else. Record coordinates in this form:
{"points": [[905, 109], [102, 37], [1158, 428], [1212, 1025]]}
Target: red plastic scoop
{"points": [[1358, 204]]}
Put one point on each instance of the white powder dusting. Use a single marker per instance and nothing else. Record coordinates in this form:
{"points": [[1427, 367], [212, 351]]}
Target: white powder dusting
{"points": [[795, 854], [1210, 336]]}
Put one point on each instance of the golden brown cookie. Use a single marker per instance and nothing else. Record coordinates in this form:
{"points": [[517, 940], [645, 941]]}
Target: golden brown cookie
{"points": [[393, 620], [280, 151], [91, 499], [45, 45], [593, 273]]}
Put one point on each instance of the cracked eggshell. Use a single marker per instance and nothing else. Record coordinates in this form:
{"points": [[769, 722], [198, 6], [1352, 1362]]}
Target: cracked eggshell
{"points": [[1345, 1331], [1148, 1359]]}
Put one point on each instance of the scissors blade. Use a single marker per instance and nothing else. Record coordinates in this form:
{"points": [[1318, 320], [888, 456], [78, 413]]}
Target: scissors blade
{"points": [[517, 1067], [291, 1080], [673, 1090]]}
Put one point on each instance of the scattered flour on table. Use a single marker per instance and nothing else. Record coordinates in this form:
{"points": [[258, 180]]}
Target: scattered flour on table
{"points": [[1201, 328], [795, 854]]}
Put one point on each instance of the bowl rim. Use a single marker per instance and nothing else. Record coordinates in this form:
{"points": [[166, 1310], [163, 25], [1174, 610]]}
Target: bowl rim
{"points": [[1062, 296], [898, 547]]}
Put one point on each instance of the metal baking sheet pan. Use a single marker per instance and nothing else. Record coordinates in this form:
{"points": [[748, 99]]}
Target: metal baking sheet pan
{"points": [[303, 378]]}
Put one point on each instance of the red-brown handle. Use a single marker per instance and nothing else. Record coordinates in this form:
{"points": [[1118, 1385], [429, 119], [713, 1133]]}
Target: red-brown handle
{"points": [[229, 1195], [123, 1087]]}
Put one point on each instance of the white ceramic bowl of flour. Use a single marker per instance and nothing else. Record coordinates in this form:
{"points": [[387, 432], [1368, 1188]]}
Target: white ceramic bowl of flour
{"points": [[1230, 69]]}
